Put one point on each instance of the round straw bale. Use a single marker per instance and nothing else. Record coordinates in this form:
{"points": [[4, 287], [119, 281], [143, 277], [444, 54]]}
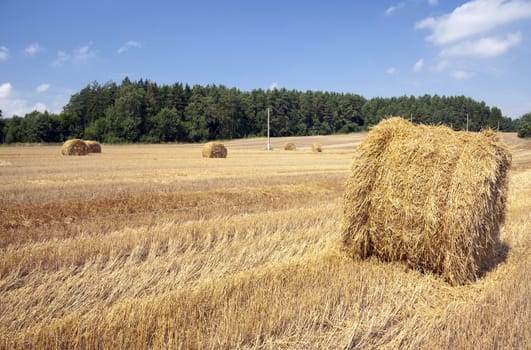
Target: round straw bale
{"points": [[214, 150], [290, 146], [316, 147], [93, 146], [428, 196], [74, 147]]}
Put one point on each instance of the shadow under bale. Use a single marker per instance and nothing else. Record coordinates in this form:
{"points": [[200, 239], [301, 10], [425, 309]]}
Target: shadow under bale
{"points": [[429, 196]]}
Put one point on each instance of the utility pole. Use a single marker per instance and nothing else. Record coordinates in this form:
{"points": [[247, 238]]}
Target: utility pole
{"points": [[268, 138]]}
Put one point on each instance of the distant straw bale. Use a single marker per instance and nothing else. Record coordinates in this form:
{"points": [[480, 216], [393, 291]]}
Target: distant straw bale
{"points": [[93, 146], [214, 150], [316, 147], [428, 196], [74, 147], [290, 146]]}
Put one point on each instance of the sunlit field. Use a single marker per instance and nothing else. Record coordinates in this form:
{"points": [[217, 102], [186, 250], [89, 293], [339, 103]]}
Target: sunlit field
{"points": [[153, 246]]}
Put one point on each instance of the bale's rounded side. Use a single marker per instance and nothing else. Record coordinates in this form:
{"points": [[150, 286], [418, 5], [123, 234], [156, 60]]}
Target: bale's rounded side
{"points": [[93, 146], [426, 195], [317, 147], [74, 147], [214, 150], [290, 146]]}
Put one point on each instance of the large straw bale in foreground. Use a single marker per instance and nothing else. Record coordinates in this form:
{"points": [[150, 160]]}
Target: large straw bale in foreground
{"points": [[74, 147], [429, 196], [93, 146], [214, 150]]}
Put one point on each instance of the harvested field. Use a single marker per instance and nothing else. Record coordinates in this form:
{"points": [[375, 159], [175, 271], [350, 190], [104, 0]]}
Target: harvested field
{"points": [[153, 246]]}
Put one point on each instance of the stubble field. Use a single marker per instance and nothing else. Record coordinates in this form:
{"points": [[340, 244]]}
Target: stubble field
{"points": [[152, 246]]}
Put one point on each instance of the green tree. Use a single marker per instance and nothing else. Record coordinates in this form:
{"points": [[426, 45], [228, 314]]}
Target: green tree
{"points": [[524, 125], [13, 130], [165, 126], [2, 126], [126, 118]]}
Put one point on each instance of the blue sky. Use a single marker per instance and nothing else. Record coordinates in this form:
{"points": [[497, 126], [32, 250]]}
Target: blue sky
{"points": [[482, 48]]}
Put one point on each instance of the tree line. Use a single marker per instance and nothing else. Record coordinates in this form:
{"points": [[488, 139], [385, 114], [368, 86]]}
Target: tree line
{"points": [[143, 111]]}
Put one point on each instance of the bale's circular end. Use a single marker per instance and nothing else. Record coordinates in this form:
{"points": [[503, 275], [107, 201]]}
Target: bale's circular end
{"points": [[74, 147], [290, 146], [317, 147], [93, 146], [214, 150]]}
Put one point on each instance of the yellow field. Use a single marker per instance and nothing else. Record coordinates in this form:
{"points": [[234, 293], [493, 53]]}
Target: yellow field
{"points": [[152, 246]]}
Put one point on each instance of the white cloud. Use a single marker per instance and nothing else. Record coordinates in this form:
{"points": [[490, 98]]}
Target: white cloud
{"points": [[484, 47], [461, 75], [391, 70], [273, 86], [11, 105], [33, 49], [81, 54], [61, 57], [42, 88], [433, 2], [4, 53], [13, 102], [441, 66], [5, 90], [418, 65], [472, 18], [39, 106], [128, 45], [392, 9], [84, 53]]}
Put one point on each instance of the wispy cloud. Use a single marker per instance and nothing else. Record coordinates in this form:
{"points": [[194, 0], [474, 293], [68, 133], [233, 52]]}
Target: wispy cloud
{"points": [[392, 9], [473, 18], [42, 88], [11, 104], [441, 66], [81, 54], [5, 89], [61, 58], [4, 53], [461, 75], [14, 102], [484, 47], [84, 53], [273, 86], [128, 45], [32, 49], [418, 65], [391, 70], [39, 106]]}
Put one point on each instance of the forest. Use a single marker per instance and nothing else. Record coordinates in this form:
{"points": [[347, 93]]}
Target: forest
{"points": [[146, 112]]}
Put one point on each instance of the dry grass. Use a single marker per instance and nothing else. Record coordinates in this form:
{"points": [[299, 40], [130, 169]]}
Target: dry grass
{"points": [[153, 247]]}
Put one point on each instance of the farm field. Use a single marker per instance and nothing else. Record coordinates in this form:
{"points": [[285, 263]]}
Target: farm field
{"points": [[153, 246]]}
